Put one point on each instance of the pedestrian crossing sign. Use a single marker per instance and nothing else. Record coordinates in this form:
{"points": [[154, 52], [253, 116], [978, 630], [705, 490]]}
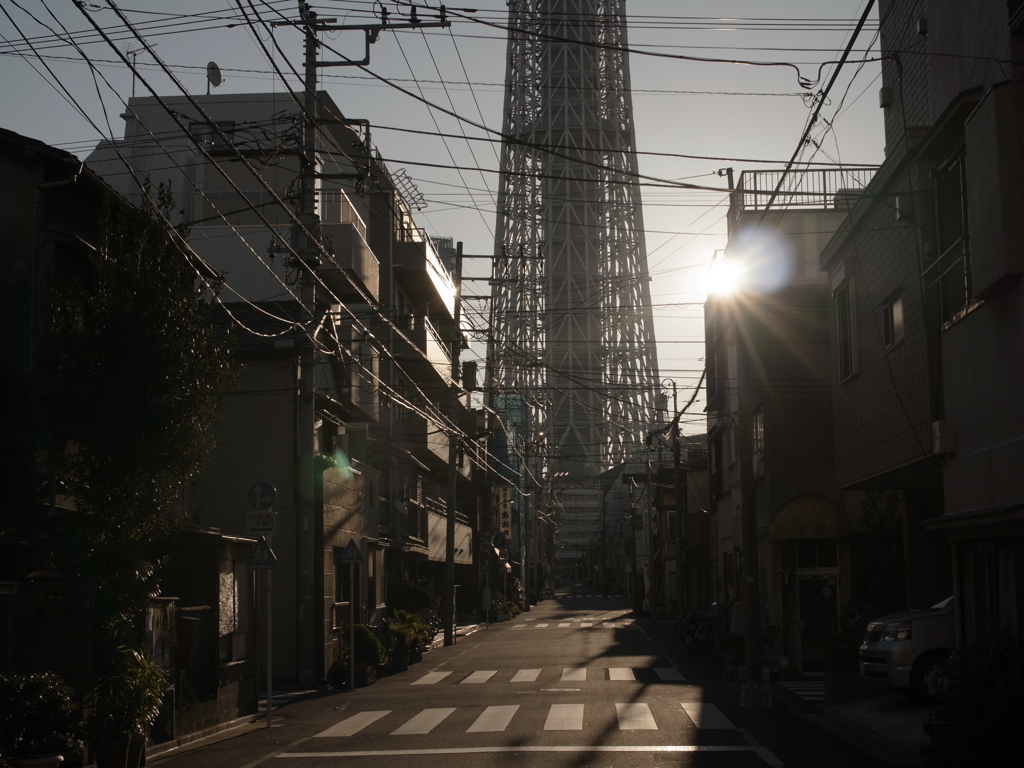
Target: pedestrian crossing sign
{"points": [[262, 557], [351, 553]]}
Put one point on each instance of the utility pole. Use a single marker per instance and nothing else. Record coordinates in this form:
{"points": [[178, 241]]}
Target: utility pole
{"points": [[753, 692], [449, 613], [305, 238], [307, 245], [680, 494]]}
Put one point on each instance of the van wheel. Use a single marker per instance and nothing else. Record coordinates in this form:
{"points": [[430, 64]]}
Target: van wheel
{"points": [[926, 680]]}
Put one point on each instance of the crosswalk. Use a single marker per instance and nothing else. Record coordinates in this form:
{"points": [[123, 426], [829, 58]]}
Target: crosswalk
{"points": [[808, 690], [577, 623], [628, 716], [564, 675]]}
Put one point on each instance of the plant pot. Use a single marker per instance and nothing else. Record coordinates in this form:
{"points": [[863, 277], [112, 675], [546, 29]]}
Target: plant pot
{"points": [[136, 753], [38, 761], [111, 753], [400, 661], [366, 674]]}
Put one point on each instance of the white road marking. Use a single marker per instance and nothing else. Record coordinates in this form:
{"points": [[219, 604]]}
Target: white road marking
{"points": [[525, 676], [493, 719], [586, 624], [543, 624], [620, 673], [706, 715], [666, 673], [635, 717], [480, 676], [564, 624], [671, 748], [430, 678], [353, 725], [564, 717], [424, 722], [574, 674]]}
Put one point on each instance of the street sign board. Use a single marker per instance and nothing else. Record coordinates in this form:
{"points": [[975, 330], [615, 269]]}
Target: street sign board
{"points": [[351, 553], [261, 495], [261, 522], [262, 557], [502, 501]]}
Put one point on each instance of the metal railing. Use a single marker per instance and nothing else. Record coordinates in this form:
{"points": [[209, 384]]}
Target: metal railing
{"points": [[336, 208], [833, 188]]}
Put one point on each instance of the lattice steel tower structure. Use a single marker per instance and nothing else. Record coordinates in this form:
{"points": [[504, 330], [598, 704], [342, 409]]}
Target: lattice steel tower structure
{"points": [[573, 360]]}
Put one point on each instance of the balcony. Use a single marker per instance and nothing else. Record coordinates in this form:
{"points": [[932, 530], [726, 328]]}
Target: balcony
{"points": [[353, 271], [421, 271], [428, 442], [426, 358], [832, 189]]}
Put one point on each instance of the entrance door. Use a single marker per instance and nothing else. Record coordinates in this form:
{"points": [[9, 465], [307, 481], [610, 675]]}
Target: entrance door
{"points": [[819, 610]]}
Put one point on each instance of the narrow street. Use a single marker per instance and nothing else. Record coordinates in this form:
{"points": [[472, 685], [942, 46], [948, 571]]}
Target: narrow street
{"points": [[577, 681]]}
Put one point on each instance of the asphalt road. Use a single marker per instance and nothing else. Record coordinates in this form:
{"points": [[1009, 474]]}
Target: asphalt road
{"points": [[575, 682]]}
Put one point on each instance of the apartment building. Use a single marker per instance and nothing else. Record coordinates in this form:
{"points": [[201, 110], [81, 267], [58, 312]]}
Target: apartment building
{"points": [[361, 327], [767, 357], [926, 309]]}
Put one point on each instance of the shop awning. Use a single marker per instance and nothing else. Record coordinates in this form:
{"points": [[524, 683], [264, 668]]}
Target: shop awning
{"points": [[810, 517]]}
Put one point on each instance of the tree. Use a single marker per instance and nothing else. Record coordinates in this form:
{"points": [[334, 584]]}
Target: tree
{"points": [[137, 370]]}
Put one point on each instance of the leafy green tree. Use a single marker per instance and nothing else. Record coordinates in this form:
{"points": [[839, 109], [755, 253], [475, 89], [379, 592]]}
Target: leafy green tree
{"points": [[137, 370]]}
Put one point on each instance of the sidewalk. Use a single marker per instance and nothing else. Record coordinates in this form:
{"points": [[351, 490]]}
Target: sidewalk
{"points": [[884, 724]]}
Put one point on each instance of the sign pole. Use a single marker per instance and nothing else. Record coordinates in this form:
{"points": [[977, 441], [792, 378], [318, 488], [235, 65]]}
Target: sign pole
{"points": [[261, 496], [270, 646], [351, 626]]}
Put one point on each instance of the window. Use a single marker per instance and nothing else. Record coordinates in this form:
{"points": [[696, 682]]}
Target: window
{"points": [[758, 441], [233, 610], [951, 271], [209, 138], [846, 331], [892, 320], [816, 553]]}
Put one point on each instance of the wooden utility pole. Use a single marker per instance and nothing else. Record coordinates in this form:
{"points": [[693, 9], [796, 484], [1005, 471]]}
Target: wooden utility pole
{"points": [[448, 614]]}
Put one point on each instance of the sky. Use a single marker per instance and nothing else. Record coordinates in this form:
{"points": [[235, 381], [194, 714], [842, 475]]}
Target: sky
{"points": [[693, 118]]}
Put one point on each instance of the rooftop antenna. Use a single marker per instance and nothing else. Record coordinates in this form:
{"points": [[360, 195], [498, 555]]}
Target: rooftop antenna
{"points": [[134, 53], [212, 76]]}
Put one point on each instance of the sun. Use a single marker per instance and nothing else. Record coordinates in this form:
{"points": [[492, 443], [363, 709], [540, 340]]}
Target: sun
{"points": [[723, 277]]}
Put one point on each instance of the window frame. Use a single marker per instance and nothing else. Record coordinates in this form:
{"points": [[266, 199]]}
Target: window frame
{"points": [[952, 278], [846, 332], [894, 320]]}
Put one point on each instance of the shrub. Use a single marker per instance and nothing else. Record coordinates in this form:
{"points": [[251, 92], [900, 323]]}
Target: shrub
{"points": [[368, 647], [38, 715], [128, 698], [979, 717]]}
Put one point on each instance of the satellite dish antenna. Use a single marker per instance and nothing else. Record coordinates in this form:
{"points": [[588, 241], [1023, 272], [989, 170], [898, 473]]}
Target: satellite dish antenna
{"points": [[212, 76]]}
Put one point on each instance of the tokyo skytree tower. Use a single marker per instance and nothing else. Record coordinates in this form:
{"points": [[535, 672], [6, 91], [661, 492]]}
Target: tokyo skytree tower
{"points": [[573, 357]]}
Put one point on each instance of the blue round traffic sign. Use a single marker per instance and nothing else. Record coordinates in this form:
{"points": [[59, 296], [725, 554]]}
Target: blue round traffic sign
{"points": [[261, 495]]}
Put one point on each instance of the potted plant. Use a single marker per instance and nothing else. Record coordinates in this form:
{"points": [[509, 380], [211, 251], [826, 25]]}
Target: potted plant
{"points": [[410, 632], [369, 654], [124, 705], [39, 721]]}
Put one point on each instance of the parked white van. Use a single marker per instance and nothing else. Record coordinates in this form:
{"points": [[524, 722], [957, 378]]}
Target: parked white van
{"points": [[905, 650]]}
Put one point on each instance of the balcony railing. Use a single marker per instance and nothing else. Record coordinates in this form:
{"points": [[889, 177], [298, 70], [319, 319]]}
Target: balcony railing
{"points": [[837, 188], [336, 208]]}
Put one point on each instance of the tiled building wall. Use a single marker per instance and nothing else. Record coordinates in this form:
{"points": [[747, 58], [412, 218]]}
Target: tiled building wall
{"points": [[883, 413], [905, 69]]}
